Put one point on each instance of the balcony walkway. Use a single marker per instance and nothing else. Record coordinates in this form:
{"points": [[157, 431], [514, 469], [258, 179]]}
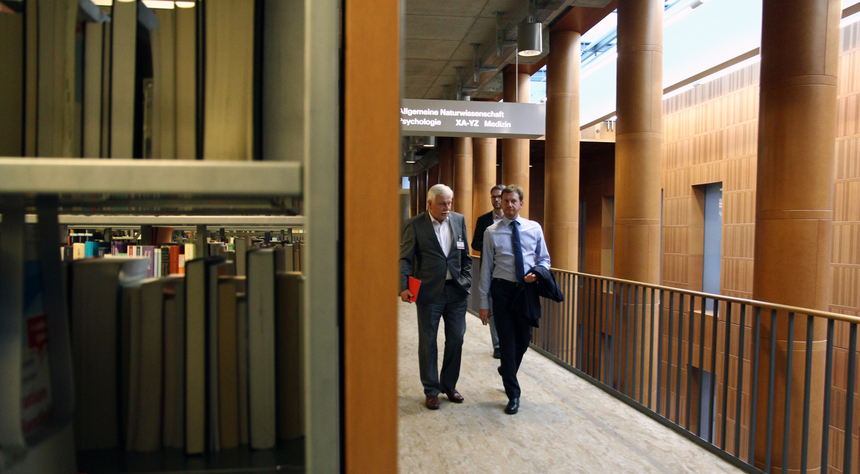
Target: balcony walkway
{"points": [[565, 424]]}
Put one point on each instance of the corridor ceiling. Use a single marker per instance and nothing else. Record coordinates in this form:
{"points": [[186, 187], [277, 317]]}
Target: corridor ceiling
{"points": [[439, 37]]}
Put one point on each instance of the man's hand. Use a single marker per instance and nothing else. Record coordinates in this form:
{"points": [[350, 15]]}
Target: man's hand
{"points": [[530, 278], [405, 295], [485, 316]]}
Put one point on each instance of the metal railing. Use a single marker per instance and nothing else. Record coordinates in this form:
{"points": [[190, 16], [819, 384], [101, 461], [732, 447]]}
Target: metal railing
{"points": [[667, 352]]}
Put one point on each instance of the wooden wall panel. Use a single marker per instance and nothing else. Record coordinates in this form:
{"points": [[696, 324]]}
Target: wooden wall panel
{"points": [[846, 222], [711, 136], [596, 185]]}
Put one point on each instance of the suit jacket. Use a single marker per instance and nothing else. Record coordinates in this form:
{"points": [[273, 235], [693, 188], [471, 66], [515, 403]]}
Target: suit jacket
{"points": [[527, 299], [481, 225], [419, 244]]}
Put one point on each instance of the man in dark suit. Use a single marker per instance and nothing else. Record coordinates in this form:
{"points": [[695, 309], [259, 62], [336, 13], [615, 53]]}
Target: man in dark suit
{"points": [[512, 247], [481, 225], [437, 243]]}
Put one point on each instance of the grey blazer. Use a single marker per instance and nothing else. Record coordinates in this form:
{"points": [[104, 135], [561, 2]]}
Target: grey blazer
{"points": [[419, 244]]}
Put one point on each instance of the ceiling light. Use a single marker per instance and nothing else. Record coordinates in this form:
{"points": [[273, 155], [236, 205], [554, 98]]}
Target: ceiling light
{"points": [[530, 35], [529, 39], [184, 4], [159, 4]]}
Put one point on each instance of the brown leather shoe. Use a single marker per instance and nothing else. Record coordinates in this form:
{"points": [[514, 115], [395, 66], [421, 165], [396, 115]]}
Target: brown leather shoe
{"points": [[432, 402], [453, 395]]}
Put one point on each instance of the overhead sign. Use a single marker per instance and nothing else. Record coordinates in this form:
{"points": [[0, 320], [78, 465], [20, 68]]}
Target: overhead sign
{"points": [[462, 118]]}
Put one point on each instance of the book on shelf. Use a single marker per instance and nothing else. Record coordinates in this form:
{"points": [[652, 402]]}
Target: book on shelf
{"points": [[130, 299], [190, 251], [242, 245], [174, 250], [242, 357], [91, 249], [118, 247], [284, 258], [213, 403], [288, 296], [146, 362], [145, 251], [164, 261], [67, 253], [94, 289], [173, 417], [228, 384], [201, 407], [218, 249], [261, 347], [79, 250], [297, 256], [35, 369], [156, 262]]}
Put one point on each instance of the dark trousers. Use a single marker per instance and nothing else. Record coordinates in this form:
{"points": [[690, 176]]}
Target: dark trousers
{"points": [[452, 307], [514, 331]]}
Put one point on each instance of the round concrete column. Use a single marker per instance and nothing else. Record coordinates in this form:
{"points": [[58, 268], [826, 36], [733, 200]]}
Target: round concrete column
{"points": [[515, 151], [561, 204], [463, 181], [794, 205], [638, 140], [484, 152]]}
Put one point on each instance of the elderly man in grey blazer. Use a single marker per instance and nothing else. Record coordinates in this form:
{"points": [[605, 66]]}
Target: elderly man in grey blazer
{"points": [[434, 249]]}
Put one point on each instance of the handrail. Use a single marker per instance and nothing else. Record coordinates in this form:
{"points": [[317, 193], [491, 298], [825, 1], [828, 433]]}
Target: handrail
{"points": [[657, 348], [763, 304]]}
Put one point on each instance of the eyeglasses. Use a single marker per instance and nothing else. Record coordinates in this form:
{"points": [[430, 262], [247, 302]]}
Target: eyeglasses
{"points": [[496, 197]]}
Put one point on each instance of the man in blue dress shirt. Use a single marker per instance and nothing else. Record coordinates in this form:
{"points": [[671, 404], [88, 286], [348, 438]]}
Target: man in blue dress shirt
{"points": [[512, 247]]}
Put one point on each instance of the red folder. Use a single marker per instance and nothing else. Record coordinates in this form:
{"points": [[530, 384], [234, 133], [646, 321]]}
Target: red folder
{"points": [[414, 285]]}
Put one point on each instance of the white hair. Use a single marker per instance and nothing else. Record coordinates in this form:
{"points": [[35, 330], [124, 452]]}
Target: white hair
{"points": [[439, 189]]}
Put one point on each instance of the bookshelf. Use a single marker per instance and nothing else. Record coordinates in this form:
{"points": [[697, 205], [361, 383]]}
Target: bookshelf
{"points": [[53, 196], [302, 134]]}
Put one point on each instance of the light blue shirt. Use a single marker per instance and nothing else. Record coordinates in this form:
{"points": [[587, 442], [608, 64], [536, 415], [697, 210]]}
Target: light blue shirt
{"points": [[497, 257]]}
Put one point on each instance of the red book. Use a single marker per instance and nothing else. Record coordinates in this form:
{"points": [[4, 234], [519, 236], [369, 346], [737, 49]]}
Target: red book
{"points": [[174, 259], [414, 285]]}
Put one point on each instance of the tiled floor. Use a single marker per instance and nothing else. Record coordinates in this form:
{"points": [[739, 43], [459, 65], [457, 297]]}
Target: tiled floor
{"points": [[565, 424]]}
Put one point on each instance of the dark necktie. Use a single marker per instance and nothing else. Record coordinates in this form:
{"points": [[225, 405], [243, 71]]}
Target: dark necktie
{"points": [[518, 250]]}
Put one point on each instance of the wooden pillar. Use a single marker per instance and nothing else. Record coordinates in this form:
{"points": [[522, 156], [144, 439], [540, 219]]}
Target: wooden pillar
{"points": [[638, 149], [515, 151], [422, 191], [413, 195], [794, 206], [484, 152], [463, 181], [638, 140], [536, 188], [561, 204], [370, 235], [446, 163]]}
